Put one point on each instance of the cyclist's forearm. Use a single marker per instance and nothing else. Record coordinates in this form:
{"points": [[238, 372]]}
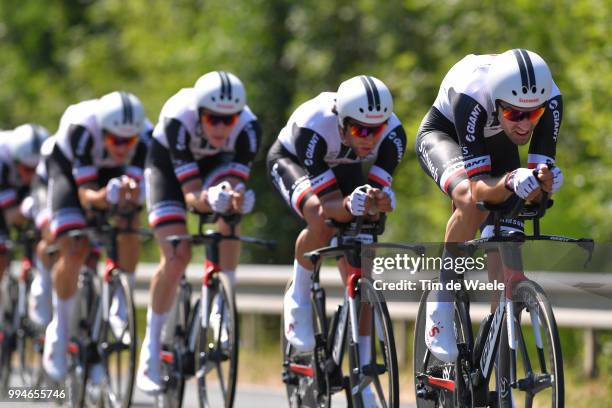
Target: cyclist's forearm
{"points": [[91, 197], [195, 197], [335, 207], [490, 189]]}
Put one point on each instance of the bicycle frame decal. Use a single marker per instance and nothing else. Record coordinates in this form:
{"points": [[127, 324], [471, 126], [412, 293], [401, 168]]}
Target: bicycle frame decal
{"points": [[301, 370], [490, 345], [340, 333]]}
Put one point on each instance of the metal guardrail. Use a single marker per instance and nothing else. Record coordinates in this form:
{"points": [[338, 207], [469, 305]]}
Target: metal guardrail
{"points": [[580, 300]]}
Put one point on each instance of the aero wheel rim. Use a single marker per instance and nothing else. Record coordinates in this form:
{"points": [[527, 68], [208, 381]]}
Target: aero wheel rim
{"points": [[217, 351], [532, 310]]}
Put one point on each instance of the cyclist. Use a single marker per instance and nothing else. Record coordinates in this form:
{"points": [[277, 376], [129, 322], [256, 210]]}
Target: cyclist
{"points": [[200, 157], [316, 166], [96, 162], [19, 156], [39, 305], [487, 106]]}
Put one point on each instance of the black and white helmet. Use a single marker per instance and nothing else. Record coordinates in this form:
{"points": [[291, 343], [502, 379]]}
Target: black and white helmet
{"points": [[519, 77], [220, 92], [120, 113], [365, 99], [25, 143]]}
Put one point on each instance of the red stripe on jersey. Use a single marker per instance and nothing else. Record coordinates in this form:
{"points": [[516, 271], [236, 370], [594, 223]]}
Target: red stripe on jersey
{"points": [[377, 179], [477, 170], [323, 186]]}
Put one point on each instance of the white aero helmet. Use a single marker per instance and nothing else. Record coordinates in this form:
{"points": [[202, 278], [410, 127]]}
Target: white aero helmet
{"points": [[365, 99], [221, 92], [25, 143], [519, 77], [120, 113]]}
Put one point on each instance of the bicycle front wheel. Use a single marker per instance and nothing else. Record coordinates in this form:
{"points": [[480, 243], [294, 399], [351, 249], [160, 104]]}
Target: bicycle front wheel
{"points": [[217, 347], [379, 376], [118, 347], [539, 361]]}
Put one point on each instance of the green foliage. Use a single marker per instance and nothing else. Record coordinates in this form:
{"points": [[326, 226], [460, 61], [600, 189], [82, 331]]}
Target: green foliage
{"points": [[58, 52]]}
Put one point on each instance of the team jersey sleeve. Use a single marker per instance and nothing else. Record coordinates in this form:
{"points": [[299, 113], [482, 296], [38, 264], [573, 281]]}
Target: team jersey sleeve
{"points": [[245, 150], [311, 149], [183, 162], [543, 146], [8, 193], [135, 169], [390, 154], [81, 144], [470, 119]]}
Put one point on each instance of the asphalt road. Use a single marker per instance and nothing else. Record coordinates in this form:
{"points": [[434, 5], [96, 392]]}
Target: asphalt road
{"points": [[248, 396]]}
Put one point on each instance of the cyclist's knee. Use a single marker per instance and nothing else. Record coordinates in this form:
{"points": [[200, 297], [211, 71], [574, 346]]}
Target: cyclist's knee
{"points": [[462, 197], [173, 264]]}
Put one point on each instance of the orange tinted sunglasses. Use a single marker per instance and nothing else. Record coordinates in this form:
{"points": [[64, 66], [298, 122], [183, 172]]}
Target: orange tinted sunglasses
{"points": [[361, 131], [117, 141], [213, 119], [514, 115]]}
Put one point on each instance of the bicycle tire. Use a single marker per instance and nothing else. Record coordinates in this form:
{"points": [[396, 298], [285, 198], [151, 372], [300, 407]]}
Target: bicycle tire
{"points": [[219, 352], [83, 315], [529, 295], [383, 340], [172, 373], [30, 343], [300, 390], [432, 397], [120, 350], [9, 300]]}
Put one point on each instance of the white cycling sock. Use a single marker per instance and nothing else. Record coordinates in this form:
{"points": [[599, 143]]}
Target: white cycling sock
{"points": [[302, 281], [45, 276], [155, 323], [63, 310], [231, 276], [365, 351]]}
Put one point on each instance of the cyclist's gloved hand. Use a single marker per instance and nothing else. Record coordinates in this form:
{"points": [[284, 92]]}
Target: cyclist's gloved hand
{"points": [[389, 192], [113, 190], [219, 197], [557, 177], [249, 202], [27, 207], [357, 200], [142, 192], [247, 198], [522, 182]]}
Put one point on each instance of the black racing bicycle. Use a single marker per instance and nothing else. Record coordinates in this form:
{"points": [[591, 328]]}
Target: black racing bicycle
{"points": [[20, 335], [502, 336], [202, 339], [312, 378], [95, 343]]}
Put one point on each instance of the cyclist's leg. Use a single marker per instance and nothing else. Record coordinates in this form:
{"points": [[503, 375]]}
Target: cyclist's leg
{"points": [[67, 215], [440, 157], [167, 216], [292, 183]]}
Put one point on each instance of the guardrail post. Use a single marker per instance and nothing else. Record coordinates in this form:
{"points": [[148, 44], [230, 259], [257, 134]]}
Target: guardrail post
{"points": [[400, 328], [590, 353]]}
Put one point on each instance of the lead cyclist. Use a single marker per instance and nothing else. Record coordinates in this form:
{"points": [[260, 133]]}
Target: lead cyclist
{"points": [[487, 106]]}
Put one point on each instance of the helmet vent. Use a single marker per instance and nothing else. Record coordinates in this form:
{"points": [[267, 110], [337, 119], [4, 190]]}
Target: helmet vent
{"points": [[213, 99], [534, 89], [361, 110], [514, 92], [542, 91], [385, 109], [377, 107], [236, 100], [370, 108], [524, 89]]}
